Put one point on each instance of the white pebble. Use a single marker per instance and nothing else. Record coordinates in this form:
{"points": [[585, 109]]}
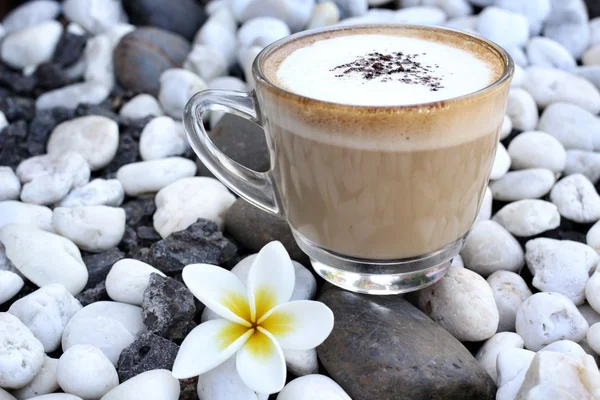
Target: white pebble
{"points": [[261, 31], [181, 203], [225, 83], [57, 396], [593, 237], [523, 184], [309, 386], [10, 284], [518, 55], [485, 212], [30, 14], [561, 266], [44, 382], [206, 62], [157, 384], [592, 291], [128, 279], [519, 77], [503, 27], [583, 162], [591, 56], [46, 312], [73, 95], [151, 176], [501, 163], [98, 56], [522, 110], [528, 217], [536, 11], [219, 37], [83, 370], [10, 186], [301, 362], [91, 228], [96, 138], [510, 291], [249, 57], [547, 317], [462, 303], [116, 33], [22, 354], [223, 383], [511, 365], [141, 106], [295, 13], [565, 347], [162, 137], [420, 15], [31, 46], [567, 23], [177, 86], [506, 128], [99, 192], [458, 262], [55, 259], [324, 14], [572, 125], [593, 337], [488, 353], [576, 199], [96, 16], [13, 212], [489, 248], [537, 149], [544, 52]]}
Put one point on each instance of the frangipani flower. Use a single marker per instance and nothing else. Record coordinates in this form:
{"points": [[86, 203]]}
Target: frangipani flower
{"points": [[258, 321]]}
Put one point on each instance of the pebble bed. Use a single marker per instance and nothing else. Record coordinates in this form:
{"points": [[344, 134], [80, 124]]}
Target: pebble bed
{"points": [[102, 204]]}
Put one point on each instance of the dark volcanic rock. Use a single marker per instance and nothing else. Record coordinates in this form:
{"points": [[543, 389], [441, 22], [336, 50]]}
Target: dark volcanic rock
{"points": [[188, 389], [146, 353], [89, 296], [201, 242], [139, 211], [41, 127], [168, 308], [382, 347], [16, 108], [242, 141], [69, 49], [51, 76], [144, 54], [16, 81], [103, 109], [182, 16], [13, 145], [99, 265], [127, 153], [254, 228]]}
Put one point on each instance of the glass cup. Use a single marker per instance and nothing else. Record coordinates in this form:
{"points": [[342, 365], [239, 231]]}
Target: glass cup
{"points": [[375, 214]]}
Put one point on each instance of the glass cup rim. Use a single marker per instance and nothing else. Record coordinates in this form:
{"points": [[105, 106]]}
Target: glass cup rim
{"points": [[259, 76]]}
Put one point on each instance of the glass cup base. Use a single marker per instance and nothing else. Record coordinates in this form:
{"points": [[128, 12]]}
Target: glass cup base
{"points": [[380, 277]]}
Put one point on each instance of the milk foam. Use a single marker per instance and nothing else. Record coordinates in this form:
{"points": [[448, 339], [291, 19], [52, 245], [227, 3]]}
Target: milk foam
{"points": [[307, 71]]}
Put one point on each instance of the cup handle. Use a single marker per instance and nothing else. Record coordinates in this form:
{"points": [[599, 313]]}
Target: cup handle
{"points": [[255, 187]]}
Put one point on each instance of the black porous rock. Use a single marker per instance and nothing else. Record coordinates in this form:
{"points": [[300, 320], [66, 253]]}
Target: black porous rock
{"points": [[242, 141], [69, 49], [92, 295], [51, 76], [134, 127], [201, 242], [16, 108], [144, 54], [103, 109], [146, 353], [128, 152], [188, 389], [183, 17], [41, 127], [99, 265], [254, 228], [168, 308], [13, 144], [16, 81], [139, 211], [382, 347]]}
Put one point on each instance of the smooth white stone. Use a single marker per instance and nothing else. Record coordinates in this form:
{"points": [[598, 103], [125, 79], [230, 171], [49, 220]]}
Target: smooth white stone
{"points": [[594, 31], [462, 303], [583, 162], [73, 95], [549, 85], [490, 248], [593, 237], [141, 106], [96, 16], [57, 396], [568, 25], [98, 56], [544, 52], [565, 347], [31, 46], [536, 11], [324, 14], [12, 212], [5, 264], [116, 33], [591, 56], [524, 184], [501, 163], [488, 353], [95, 137], [224, 383], [108, 325], [593, 337], [83, 370], [503, 27], [576, 199], [22, 354], [3, 121], [261, 31], [206, 62], [219, 37], [561, 266], [76, 29], [301, 362], [422, 15], [518, 77], [221, 12], [311, 387], [547, 317], [99, 192], [528, 217], [466, 23], [162, 137], [44, 382], [512, 365], [10, 186], [592, 291], [177, 86], [128, 279], [510, 291], [506, 128], [535, 149], [522, 110], [295, 13], [485, 212], [151, 176], [30, 14], [46, 312], [157, 384], [55, 259], [518, 55], [573, 126], [225, 83], [248, 61], [181, 203], [453, 8], [91, 228], [10, 284], [458, 262]]}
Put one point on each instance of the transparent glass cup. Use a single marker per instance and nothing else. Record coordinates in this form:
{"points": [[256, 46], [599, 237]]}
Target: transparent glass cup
{"points": [[372, 218]]}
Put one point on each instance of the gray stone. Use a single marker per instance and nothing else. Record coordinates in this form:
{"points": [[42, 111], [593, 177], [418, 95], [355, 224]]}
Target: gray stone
{"points": [[146, 353], [99, 265], [573, 126], [433, 364]]}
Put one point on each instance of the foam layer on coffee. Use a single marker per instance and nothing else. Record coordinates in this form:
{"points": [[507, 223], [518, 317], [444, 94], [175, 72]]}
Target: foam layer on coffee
{"points": [[375, 70]]}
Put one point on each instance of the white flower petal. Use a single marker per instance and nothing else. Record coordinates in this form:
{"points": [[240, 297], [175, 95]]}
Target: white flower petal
{"points": [[219, 290], [270, 279], [207, 346], [299, 325], [261, 364]]}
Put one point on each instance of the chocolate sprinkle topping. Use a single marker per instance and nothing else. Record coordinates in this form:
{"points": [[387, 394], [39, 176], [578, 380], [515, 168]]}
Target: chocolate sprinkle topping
{"points": [[392, 66]]}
